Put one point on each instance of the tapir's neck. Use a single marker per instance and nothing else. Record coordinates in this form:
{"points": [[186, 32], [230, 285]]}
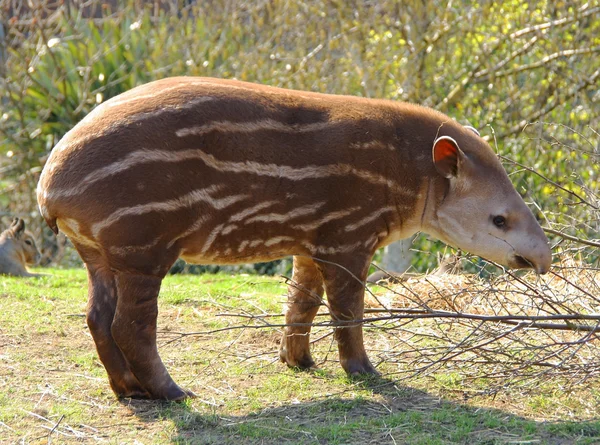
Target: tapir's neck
{"points": [[423, 188], [433, 194], [412, 167]]}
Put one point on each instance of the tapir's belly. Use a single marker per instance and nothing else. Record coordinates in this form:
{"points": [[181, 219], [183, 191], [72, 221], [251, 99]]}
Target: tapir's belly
{"points": [[244, 252]]}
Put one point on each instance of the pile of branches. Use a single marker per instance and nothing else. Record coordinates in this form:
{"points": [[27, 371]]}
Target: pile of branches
{"points": [[513, 329]]}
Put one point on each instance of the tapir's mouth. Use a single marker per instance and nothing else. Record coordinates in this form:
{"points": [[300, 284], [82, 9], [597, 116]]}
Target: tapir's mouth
{"points": [[519, 262], [541, 265]]}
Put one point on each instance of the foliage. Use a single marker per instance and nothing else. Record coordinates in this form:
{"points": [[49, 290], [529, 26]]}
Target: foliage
{"points": [[522, 72]]}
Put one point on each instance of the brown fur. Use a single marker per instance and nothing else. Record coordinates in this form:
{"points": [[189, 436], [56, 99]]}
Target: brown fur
{"points": [[17, 249], [221, 171]]}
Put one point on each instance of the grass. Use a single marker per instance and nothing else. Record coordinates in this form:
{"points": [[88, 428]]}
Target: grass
{"points": [[54, 389]]}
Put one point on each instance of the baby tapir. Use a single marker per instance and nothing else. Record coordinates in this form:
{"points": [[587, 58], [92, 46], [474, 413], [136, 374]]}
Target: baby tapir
{"points": [[222, 171]]}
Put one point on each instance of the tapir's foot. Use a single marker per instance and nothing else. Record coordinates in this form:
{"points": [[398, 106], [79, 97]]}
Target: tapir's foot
{"points": [[295, 357], [357, 367], [127, 386], [174, 394], [130, 388]]}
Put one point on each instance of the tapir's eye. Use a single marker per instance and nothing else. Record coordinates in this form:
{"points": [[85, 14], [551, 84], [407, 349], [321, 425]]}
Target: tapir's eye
{"points": [[499, 221]]}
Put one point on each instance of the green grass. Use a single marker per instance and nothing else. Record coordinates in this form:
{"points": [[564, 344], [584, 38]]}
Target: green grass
{"points": [[52, 385]]}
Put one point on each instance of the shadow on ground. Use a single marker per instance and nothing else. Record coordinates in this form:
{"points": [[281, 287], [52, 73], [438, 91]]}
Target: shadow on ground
{"points": [[395, 415]]}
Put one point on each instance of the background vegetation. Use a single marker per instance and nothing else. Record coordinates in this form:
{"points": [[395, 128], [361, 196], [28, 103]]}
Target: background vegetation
{"points": [[464, 360], [524, 73]]}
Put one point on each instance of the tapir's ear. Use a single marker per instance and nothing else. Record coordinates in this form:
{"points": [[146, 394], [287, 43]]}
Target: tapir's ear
{"points": [[473, 129], [446, 156]]}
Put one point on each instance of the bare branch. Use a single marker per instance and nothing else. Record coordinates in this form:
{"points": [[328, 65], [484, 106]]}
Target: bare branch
{"points": [[583, 12], [572, 238]]}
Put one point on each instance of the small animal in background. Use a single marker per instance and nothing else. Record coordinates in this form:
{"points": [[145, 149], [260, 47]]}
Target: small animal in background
{"points": [[17, 248]]}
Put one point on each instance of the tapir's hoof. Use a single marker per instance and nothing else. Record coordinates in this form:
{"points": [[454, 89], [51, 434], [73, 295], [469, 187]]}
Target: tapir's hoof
{"points": [[356, 368], [140, 395], [365, 373], [305, 367], [177, 394], [174, 394], [304, 362], [190, 394], [128, 387]]}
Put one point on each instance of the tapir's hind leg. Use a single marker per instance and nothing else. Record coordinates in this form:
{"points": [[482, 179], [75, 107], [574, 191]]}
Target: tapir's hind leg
{"points": [[102, 303], [134, 330], [304, 298]]}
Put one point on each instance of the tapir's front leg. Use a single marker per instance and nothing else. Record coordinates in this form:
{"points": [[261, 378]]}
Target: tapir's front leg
{"points": [[345, 284], [305, 295]]}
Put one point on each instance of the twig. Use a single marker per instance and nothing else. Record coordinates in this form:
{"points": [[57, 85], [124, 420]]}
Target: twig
{"points": [[538, 64], [550, 181], [54, 428], [571, 238], [5, 425], [555, 23], [524, 320], [591, 80]]}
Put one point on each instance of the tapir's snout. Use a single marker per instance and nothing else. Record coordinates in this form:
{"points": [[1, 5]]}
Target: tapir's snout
{"points": [[538, 258], [545, 261]]}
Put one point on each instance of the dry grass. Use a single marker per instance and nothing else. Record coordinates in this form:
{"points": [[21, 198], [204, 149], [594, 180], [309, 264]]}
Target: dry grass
{"points": [[571, 285]]}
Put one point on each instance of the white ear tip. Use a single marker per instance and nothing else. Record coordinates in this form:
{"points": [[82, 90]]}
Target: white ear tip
{"points": [[473, 129], [447, 138]]}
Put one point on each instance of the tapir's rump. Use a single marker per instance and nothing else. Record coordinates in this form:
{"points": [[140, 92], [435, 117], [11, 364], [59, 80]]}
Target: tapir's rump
{"points": [[221, 171]]}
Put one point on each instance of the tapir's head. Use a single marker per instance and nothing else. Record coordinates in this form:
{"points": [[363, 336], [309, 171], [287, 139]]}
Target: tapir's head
{"points": [[481, 212]]}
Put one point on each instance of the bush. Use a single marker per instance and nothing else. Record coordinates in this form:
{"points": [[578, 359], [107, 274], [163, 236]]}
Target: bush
{"points": [[522, 72]]}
